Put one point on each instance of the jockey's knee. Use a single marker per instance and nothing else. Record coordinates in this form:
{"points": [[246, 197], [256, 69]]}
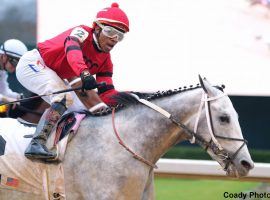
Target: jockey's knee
{"points": [[66, 99]]}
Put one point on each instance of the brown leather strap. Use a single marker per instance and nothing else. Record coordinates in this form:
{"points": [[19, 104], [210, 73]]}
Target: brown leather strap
{"points": [[135, 155]]}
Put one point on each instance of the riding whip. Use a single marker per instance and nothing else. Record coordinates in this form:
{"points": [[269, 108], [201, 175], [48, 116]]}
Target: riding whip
{"points": [[52, 93]]}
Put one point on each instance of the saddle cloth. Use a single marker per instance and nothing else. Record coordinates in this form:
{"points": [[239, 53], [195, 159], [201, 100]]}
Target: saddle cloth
{"points": [[42, 180]]}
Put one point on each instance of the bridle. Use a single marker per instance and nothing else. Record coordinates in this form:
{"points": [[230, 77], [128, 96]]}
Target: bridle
{"points": [[213, 144]]}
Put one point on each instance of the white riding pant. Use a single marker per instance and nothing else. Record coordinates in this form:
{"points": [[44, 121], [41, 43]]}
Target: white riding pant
{"points": [[6, 94], [35, 76]]}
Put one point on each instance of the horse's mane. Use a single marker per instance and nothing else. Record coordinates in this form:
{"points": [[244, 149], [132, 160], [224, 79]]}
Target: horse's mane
{"points": [[124, 99], [25, 106], [127, 99]]}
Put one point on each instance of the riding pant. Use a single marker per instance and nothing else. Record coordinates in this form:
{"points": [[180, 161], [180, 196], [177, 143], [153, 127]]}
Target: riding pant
{"points": [[35, 76], [5, 91]]}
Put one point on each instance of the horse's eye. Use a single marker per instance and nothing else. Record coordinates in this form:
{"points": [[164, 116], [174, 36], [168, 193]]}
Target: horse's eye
{"points": [[224, 119]]}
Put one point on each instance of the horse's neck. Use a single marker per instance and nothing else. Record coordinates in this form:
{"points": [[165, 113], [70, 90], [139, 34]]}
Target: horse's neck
{"points": [[153, 134], [142, 129]]}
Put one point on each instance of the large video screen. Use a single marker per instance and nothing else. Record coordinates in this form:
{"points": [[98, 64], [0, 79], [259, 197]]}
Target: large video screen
{"points": [[171, 42]]}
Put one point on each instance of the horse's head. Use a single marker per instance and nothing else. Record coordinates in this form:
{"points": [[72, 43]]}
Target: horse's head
{"points": [[218, 128], [212, 123]]}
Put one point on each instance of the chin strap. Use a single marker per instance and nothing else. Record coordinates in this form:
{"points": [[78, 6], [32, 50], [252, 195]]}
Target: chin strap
{"points": [[96, 42]]}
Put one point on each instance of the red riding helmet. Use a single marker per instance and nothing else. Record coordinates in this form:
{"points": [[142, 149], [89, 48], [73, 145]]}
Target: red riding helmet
{"points": [[113, 16]]}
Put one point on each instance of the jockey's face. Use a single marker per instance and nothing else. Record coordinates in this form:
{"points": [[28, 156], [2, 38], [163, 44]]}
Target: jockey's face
{"points": [[5, 64], [105, 43]]}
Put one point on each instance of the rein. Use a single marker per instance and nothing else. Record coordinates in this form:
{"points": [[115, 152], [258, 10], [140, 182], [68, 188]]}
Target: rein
{"points": [[135, 155], [194, 137]]}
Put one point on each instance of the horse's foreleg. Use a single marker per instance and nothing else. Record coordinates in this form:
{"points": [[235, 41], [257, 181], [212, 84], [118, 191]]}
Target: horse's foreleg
{"points": [[148, 193]]}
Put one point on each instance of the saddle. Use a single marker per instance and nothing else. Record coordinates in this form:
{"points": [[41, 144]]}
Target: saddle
{"points": [[64, 125], [65, 130]]}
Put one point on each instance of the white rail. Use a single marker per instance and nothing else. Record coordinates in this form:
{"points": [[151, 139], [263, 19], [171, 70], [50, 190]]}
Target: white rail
{"points": [[182, 168]]}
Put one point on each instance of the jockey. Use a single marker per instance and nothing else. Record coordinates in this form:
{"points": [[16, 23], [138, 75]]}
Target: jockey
{"points": [[82, 52], [10, 53]]}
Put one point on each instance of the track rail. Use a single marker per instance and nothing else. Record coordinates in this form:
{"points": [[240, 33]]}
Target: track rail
{"points": [[204, 169]]}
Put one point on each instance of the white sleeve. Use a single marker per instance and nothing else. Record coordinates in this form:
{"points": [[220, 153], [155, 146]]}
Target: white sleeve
{"points": [[4, 87]]}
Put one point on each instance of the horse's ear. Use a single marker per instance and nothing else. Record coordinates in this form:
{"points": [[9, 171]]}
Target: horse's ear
{"points": [[207, 87], [202, 84]]}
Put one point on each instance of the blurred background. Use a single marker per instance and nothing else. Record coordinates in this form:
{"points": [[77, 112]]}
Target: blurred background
{"points": [[169, 44], [18, 20]]}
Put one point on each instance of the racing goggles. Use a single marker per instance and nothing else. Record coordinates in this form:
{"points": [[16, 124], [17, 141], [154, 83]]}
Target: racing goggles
{"points": [[13, 61], [111, 32]]}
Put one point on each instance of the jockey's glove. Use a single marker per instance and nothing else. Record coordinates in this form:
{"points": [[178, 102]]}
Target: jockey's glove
{"points": [[88, 81], [19, 97]]}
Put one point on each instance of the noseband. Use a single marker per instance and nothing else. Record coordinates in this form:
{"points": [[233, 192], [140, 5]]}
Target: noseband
{"points": [[213, 144]]}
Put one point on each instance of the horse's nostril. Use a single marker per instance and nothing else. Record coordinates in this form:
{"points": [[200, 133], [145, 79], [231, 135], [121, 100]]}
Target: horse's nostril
{"points": [[246, 164]]}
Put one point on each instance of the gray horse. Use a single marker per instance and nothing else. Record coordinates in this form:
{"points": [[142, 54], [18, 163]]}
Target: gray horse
{"points": [[97, 167]]}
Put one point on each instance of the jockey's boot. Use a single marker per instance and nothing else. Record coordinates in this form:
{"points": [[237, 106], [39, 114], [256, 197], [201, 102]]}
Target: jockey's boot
{"points": [[37, 148]]}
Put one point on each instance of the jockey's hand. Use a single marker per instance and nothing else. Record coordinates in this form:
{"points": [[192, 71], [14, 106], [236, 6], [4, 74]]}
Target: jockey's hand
{"points": [[88, 81], [20, 96]]}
